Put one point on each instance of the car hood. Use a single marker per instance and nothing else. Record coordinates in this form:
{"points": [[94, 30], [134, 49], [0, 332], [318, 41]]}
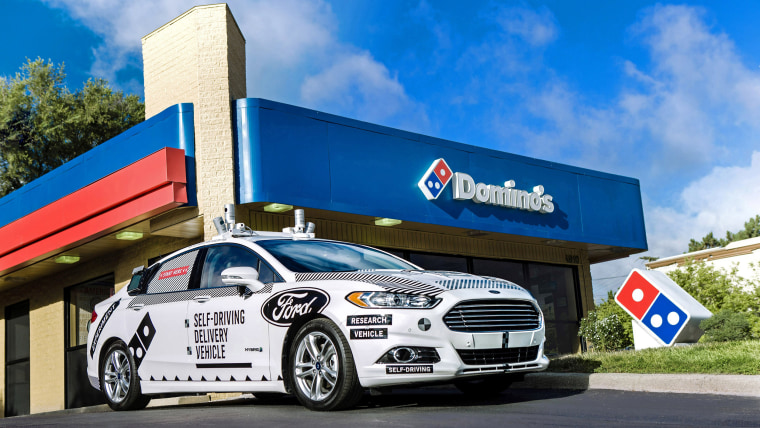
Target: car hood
{"points": [[429, 283]]}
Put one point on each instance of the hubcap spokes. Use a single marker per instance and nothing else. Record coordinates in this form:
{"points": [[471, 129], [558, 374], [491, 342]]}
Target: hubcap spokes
{"points": [[116, 375], [316, 368]]}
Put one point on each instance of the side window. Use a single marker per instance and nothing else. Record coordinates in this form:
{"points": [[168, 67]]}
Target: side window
{"points": [[173, 274], [221, 257], [266, 274]]}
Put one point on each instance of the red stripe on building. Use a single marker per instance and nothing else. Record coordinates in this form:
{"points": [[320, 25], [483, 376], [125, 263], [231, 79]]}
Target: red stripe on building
{"points": [[146, 188], [164, 166]]}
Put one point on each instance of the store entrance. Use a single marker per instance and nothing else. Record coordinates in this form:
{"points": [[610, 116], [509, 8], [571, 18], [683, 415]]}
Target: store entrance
{"points": [[80, 300]]}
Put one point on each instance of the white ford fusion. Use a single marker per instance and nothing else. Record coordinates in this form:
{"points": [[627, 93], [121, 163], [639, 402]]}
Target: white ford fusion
{"points": [[273, 313]]}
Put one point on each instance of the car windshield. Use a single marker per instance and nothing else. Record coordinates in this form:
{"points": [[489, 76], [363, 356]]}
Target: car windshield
{"points": [[328, 256]]}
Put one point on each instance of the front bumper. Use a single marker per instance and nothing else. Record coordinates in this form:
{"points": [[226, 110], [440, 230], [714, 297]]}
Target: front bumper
{"points": [[462, 355]]}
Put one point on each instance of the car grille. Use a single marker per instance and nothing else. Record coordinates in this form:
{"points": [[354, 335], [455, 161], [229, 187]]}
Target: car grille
{"points": [[498, 355], [493, 315]]}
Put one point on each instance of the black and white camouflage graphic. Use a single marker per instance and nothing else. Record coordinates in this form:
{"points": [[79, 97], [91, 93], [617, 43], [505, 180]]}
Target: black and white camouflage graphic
{"points": [[174, 274], [181, 296], [393, 284], [464, 281], [429, 283]]}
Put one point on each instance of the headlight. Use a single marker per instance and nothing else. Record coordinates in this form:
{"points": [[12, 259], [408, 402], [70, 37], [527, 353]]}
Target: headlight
{"points": [[382, 299]]}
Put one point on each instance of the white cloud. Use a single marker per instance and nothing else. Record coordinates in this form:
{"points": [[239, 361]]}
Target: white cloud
{"points": [[536, 27], [292, 55], [695, 92], [121, 25], [680, 120], [358, 84], [720, 201]]}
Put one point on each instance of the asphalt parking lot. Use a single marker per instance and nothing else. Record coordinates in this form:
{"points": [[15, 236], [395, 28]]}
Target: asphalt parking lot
{"points": [[441, 407]]}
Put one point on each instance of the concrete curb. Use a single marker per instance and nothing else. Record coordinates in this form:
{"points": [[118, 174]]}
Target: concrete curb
{"points": [[741, 385]]}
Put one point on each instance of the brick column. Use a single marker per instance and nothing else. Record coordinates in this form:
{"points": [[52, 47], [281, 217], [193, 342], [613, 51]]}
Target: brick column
{"points": [[199, 57]]}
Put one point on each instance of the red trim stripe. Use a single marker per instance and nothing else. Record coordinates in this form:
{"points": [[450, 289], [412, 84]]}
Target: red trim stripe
{"points": [[164, 166], [148, 187]]}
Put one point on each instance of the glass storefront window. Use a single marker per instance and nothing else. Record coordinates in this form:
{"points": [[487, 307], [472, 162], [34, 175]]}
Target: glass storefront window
{"points": [[555, 289], [511, 271], [439, 262]]}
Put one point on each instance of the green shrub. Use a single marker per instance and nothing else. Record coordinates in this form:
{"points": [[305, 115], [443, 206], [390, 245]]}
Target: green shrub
{"points": [[605, 332], [726, 326], [608, 327]]}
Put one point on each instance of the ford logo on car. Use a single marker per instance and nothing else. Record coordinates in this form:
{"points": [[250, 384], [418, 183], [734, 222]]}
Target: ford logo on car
{"points": [[285, 307]]}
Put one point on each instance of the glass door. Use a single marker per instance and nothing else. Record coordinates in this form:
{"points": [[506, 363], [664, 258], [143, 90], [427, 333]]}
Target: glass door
{"points": [[17, 359], [80, 300]]}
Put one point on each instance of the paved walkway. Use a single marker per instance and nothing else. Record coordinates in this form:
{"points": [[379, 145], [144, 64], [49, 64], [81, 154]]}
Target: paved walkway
{"points": [[742, 385]]}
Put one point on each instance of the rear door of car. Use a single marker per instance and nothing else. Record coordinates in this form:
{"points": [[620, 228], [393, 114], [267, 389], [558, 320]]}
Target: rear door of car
{"points": [[159, 343]]}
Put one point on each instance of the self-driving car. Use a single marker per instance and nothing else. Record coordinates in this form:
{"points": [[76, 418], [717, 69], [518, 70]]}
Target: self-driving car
{"points": [[287, 313]]}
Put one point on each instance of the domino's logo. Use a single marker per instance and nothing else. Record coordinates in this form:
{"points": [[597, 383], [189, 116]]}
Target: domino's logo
{"points": [[435, 179], [655, 311]]}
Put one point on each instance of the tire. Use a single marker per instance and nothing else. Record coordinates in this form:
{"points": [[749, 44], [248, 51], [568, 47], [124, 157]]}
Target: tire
{"points": [[119, 381], [322, 371], [485, 386]]}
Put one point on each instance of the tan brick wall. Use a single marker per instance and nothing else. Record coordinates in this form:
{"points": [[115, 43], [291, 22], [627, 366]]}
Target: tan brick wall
{"points": [[199, 57]]}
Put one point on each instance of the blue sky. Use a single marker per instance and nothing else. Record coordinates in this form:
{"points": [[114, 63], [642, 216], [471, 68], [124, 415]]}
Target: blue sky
{"points": [[666, 93]]}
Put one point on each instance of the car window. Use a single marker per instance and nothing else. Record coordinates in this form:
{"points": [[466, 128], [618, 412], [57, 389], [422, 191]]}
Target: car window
{"points": [[266, 274], [329, 256], [221, 257], [173, 274]]}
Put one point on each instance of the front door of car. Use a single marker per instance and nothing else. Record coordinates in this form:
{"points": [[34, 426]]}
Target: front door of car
{"points": [[229, 340], [159, 343]]}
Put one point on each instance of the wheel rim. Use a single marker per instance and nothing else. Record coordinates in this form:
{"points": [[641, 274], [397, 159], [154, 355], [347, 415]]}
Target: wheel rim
{"points": [[316, 366], [116, 376]]}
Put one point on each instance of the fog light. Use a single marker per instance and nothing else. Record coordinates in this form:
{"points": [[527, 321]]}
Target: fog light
{"points": [[404, 355], [410, 354]]}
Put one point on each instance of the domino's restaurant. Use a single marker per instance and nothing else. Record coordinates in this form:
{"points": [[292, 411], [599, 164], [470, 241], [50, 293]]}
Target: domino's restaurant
{"points": [[72, 237]]}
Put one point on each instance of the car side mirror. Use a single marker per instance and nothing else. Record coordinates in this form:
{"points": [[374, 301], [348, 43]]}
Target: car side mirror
{"points": [[245, 276]]}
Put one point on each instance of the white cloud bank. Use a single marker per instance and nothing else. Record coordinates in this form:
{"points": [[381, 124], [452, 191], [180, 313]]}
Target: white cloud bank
{"points": [[685, 122], [292, 55], [720, 201]]}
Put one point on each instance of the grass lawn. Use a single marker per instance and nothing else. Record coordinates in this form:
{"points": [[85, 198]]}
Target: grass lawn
{"points": [[709, 358]]}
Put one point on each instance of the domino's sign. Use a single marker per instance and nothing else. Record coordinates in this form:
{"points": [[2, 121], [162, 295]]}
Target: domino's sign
{"points": [[465, 187], [667, 312]]}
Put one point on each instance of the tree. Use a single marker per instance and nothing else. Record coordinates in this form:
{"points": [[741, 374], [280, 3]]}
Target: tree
{"points": [[708, 241], [718, 290], [751, 230], [43, 124]]}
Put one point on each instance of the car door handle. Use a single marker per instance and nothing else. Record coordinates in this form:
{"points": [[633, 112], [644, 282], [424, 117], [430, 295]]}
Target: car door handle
{"points": [[202, 299], [137, 306]]}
